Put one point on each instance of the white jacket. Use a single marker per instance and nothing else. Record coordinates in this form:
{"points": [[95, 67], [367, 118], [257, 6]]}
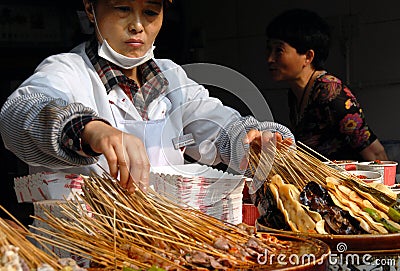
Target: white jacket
{"points": [[70, 82]]}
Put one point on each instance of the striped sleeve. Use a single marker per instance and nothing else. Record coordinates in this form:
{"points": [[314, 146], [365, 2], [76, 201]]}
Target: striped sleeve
{"points": [[229, 143], [31, 127], [71, 136]]}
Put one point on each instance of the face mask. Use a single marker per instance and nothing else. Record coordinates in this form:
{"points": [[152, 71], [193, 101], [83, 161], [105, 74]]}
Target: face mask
{"points": [[105, 51]]}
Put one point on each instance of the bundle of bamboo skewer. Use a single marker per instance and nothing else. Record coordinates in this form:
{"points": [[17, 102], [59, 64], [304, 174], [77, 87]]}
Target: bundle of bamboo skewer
{"points": [[301, 165], [298, 165], [16, 240], [117, 229]]}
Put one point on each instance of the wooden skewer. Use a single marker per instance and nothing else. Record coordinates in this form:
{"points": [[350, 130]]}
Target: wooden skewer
{"points": [[118, 218], [33, 256]]}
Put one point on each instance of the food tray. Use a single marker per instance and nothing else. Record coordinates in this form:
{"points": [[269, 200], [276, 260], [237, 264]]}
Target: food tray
{"points": [[303, 246], [362, 243], [296, 258]]}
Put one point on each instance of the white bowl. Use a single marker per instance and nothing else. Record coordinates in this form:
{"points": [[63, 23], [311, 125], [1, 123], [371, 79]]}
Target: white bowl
{"points": [[342, 164], [386, 168], [367, 176]]}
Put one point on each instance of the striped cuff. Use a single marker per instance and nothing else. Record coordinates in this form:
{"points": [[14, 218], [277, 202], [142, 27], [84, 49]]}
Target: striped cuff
{"points": [[72, 135]]}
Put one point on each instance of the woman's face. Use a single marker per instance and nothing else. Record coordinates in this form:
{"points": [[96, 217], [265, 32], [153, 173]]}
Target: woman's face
{"points": [[284, 63], [129, 26]]}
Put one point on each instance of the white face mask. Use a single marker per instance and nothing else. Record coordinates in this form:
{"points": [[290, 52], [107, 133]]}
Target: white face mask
{"points": [[105, 51]]}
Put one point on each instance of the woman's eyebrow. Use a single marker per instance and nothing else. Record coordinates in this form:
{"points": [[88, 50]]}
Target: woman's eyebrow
{"points": [[158, 3], [153, 2]]}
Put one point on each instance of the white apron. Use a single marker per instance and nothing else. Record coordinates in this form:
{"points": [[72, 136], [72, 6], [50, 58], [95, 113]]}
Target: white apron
{"points": [[156, 133]]}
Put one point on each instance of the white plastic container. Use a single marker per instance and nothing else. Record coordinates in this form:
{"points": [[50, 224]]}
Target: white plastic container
{"points": [[386, 168], [367, 176], [343, 164]]}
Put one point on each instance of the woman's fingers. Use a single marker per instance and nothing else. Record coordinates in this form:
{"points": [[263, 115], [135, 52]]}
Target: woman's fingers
{"points": [[262, 138], [125, 154], [139, 165], [124, 172], [266, 138], [251, 136], [112, 160], [118, 163], [278, 137], [145, 177]]}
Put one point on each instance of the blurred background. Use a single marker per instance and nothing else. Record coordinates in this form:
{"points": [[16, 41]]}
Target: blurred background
{"points": [[365, 53]]}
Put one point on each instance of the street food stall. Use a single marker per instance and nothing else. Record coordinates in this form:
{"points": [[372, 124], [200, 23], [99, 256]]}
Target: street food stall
{"points": [[315, 215]]}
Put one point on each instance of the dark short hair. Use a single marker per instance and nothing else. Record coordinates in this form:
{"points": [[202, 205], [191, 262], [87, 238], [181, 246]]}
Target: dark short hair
{"points": [[303, 30], [166, 3]]}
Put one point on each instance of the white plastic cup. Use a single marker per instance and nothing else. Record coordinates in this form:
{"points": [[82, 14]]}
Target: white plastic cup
{"points": [[386, 168]]}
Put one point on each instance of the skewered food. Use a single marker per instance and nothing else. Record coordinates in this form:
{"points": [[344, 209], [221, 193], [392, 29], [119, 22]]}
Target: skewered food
{"points": [[346, 203], [299, 217], [19, 254], [144, 231], [338, 221]]}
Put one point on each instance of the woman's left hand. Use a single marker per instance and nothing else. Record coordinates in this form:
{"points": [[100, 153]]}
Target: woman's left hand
{"points": [[261, 138]]}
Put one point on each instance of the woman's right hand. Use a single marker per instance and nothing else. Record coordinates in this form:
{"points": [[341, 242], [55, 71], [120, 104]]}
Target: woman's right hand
{"points": [[125, 153]]}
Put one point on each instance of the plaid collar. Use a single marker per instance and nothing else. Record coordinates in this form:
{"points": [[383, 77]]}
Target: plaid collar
{"points": [[153, 80]]}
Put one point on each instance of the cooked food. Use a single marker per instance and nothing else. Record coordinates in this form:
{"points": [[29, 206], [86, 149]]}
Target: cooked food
{"points": [[362, 177], [338, 220], [20, 254], [141, 231], [296, 215], [346, 204]]}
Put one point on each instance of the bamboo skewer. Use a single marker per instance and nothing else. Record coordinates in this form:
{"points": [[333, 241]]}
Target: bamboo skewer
{"points": [[101, 247], [32, 256], [299, 166], [143, 222]]}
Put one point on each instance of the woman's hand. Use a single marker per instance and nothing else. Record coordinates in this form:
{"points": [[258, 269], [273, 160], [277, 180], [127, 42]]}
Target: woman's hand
{"points": [[262, 138], [125, 153], [375, 151]]}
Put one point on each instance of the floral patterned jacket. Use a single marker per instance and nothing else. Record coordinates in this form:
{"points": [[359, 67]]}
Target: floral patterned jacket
{"points": [[333, 123]]}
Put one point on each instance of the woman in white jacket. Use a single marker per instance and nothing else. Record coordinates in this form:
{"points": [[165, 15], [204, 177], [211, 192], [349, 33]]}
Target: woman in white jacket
{"points": [[109, 101]]}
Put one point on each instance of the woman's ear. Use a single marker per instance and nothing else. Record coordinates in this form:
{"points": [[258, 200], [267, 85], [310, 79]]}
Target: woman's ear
{"points": [[89, 10], [310, 56]]}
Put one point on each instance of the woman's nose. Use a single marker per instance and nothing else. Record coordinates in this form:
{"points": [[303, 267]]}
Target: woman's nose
{"points": [[270, 57], [136, 25]]}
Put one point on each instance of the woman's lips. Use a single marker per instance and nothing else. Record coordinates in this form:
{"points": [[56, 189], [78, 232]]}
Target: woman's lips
{"points": [[135, 43], [274, 73], [273, 70]]}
